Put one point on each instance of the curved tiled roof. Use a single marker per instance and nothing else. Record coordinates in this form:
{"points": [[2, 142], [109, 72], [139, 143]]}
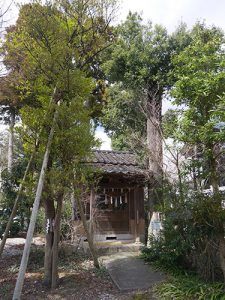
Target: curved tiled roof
{"points": [[116, 162]]}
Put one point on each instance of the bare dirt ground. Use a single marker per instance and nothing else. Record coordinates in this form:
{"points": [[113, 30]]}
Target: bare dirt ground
{"points": [[78, 279]]}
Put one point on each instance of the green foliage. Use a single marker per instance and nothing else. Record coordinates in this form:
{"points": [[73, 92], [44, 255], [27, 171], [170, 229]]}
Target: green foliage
{"points": [[137, 63], [121, 114], [10, 185], [40, 223], [140, 70], [56, 46], [190, 288], [194, 223], [170, 123], [200, 81], [16, 224], [66, 220], [190, 235], [101, 272]]}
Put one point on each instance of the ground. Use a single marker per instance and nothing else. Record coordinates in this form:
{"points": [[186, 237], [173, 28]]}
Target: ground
{"points": [[78, 279]]}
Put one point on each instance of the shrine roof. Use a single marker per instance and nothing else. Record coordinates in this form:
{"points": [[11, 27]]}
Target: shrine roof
{"points": [[117, 162]]}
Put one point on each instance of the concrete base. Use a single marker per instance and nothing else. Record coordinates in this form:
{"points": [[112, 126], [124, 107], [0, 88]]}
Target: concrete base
{"points": [[113, 237], [111, 247]]}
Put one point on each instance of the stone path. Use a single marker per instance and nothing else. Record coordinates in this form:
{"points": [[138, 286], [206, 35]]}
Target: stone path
{"points": [[129, 272]]}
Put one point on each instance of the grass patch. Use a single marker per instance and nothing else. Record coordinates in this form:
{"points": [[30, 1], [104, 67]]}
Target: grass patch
{"points": [[189, 288], [102, 272], [184, 285], [140, 296]]}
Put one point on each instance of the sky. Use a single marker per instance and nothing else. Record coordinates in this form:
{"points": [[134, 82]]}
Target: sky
{"points": [[166, 12], [169, 13]]}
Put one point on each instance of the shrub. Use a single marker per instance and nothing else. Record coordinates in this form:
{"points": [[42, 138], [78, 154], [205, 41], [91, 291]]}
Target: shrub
{"points": [[190, 237], [189, 288]]}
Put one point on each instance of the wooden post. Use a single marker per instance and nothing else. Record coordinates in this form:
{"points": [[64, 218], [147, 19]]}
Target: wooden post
{"points": [[137, 234]]}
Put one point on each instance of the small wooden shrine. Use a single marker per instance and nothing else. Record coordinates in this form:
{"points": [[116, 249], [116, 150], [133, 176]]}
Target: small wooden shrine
{"points": [[117, 207]]}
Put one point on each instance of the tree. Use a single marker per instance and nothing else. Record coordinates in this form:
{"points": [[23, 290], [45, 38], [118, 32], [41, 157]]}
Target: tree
{"points": [[57, 45], [200, 79], [140, 72]]}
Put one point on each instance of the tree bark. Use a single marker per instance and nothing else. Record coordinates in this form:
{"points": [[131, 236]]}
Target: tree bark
{"points": [[56, 242], [154, 144], [53, 217], [26, 251], [49, 237], [155, 155], [11, 139]]}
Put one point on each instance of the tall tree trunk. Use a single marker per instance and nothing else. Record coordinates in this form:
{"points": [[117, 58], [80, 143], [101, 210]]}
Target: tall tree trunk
{"points": [[49, 237], [56, 241], [11, 139], [155, 155], [14, 210], [26, 251], [53, 217], [154, 143], [86, 229]]}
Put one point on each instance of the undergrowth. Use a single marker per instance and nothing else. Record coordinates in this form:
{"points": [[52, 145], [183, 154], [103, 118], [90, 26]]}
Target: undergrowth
{"points": [[189, 287], [182, 284]]}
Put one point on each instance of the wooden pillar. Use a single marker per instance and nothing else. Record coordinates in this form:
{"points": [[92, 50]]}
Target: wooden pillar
{"points": [[137, 217]]}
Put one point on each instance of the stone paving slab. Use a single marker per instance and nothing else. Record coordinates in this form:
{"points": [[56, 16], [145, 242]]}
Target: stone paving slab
{"points": [[129, 272]]}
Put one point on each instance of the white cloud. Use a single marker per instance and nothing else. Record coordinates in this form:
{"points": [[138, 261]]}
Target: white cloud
{"points": [[170, 12], [102, 136]]}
